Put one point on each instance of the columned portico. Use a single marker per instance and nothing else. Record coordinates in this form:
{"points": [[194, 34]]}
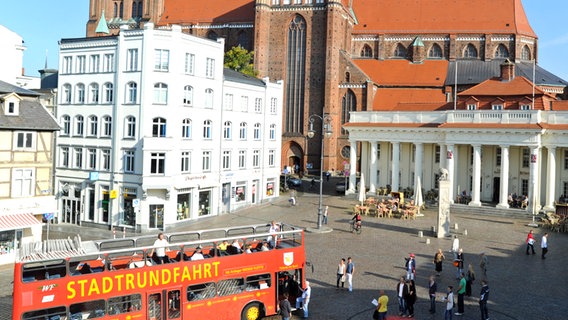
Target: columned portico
{"points": [[533, 180], [374, 168], [475, 193], [551, 180], [395, 166], [352, 167], [504, 181], [450, 155]]}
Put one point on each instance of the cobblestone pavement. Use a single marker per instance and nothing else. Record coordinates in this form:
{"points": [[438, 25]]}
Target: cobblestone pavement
{"points": [[522, 286]]}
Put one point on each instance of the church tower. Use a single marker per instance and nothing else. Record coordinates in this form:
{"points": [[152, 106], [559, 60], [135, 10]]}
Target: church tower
{"points": [[122, 12]]}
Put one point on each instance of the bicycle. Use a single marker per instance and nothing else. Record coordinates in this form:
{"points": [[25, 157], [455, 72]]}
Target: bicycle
{"points": [[355, 226]]}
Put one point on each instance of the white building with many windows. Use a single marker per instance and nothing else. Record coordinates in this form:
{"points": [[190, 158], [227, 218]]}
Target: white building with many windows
{"points": [[155, 132]]}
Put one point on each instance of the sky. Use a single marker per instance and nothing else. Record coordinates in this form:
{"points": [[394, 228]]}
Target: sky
{"points": [[43, 23]]}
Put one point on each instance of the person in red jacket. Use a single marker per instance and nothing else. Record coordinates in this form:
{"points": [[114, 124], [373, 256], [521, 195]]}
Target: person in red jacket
{"points": [[530, 242]]}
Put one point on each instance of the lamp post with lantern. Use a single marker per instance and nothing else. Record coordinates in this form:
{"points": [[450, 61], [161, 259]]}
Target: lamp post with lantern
{"points": [[325, 133]]}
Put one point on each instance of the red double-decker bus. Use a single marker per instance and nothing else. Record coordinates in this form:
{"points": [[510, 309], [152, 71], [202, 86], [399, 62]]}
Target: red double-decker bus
{"points": [[204, 276]]}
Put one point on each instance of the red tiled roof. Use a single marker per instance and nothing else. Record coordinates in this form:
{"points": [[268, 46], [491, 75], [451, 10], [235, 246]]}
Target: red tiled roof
{"points": [[408, 99], [441, 16], [212, 11], [402, 72], [519, 86], [561, 105]]}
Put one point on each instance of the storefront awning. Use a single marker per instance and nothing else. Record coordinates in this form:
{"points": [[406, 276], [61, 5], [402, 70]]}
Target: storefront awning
{"points": [[17, 221]]}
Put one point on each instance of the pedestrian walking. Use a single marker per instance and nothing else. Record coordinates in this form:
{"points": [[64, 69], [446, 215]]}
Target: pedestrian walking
{"points": [[455, 246], [438, 260], [469, 278], [461, 294], [432, 287], [285, 307], [401, 291], [304, 300], [411, 297], [350, 270], [410, 267], [383, 305], [341, 273], [292, 197], [544, 245], [483, 262], [325, 214], [530, 242], [449, 303], [483, 297], [458, 262]]}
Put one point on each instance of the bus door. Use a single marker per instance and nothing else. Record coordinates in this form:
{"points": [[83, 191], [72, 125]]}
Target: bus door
{"points": [[165, 304]]}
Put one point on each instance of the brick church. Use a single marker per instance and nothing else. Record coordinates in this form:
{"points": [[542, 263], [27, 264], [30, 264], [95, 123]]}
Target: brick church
{"points": [[338, 56]]}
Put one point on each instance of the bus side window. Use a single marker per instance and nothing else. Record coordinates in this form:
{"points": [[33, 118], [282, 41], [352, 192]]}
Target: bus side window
{"points": [[123, 304], [258, 282], [57, 313], [201, 291]]}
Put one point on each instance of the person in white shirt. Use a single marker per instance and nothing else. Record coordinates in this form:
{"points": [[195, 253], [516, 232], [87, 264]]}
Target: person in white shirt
{"points": [[197, 255], [544, 245], [449, 303], [455, 246], [274, 228], [302, 302], [160, 248]]}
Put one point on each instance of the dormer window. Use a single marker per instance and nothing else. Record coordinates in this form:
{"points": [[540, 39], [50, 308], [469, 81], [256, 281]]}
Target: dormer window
{"points": [[525, 107], [471, 106], [11, 104], [497, 107], [11, 107]]}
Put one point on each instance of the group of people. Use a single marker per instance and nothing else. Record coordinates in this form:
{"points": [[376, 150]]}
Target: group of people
{"points": [[345, 272], [543, 244]]}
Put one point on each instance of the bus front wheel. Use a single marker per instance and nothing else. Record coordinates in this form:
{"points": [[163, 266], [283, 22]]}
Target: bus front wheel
{"points": [[252, 311]]}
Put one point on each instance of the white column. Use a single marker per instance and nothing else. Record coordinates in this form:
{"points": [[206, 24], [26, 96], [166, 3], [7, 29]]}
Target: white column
{"points": [[395, 165], [418, 164], [533, 183], [443, 157], [475, 193], [364, 165], [551, 178], [352, 167], [374, 167], [450, 155], [504, 181]]}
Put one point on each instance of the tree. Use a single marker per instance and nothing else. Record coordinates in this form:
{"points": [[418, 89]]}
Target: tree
{"points": [[240, 59]]}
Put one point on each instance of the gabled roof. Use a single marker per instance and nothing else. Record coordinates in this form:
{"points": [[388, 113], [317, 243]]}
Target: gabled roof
{"points": [[235, 76], [519, 86], [441, 16], [5, 87], [401, 72], [32, 116], [190, 11], [408, 99]]}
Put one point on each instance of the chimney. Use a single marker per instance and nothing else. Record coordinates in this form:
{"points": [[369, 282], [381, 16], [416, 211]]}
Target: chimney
{"points": [[507, 70], [418, 50]]}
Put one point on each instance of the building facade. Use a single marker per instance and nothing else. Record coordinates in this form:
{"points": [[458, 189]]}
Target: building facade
{"points": [[27, 133], [143, 142]]}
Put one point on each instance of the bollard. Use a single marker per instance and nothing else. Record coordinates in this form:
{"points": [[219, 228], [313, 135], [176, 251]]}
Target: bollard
{"points": [[114, 233], [433, 229], [465, 232], [456, 226], [420, 234], [427, 240]]}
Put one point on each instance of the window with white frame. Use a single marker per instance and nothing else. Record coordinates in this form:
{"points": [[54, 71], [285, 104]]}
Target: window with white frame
{"points": [[94, 65], [81, 64], [78, 158], [227, 130], [271, 157], [242, 159], [273, 105], [80, 93], [160, 93], [161, 59], [436, 154], [23, 182], [107, 126], [566, 162], [272, 132], [108, 62], [228, 101], [108, 92], [243, 131], [256, 158], [207, 129], [208, 98], [189, 63], [93, 124], [206, 161], [24, 140], [79, 123], [131, 92], [132, 60], [64, 161], [186, 129], [498, 157], [130, 127], [185, 161], [526, 157], [471, 106], [91, 158], [210, 68], [525, 107], [129, 156], [157, 163], [244, 103], [188, 95], [159, 127], [256, 131], [94, 93], [258, 105], [67, 65], [275, 2], [105, 159], [66, 96], [65, 125], [226, 160], [497, 107]]}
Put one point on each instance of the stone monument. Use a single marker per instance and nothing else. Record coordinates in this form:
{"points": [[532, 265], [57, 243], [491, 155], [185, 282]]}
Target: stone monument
{"points": [[443, 227]]}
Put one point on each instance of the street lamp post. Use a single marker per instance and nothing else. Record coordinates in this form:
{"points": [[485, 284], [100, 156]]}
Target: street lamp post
{"points": [[325, 132]]}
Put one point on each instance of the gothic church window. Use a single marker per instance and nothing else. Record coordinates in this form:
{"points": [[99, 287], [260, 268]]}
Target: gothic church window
{"points": [[295, 75], [400, 51], [470, 52], [348, 104], [366, 52], [243, 40], [212, 35], [526, 53], [501, 52], [435, 52], [347, 77]]}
